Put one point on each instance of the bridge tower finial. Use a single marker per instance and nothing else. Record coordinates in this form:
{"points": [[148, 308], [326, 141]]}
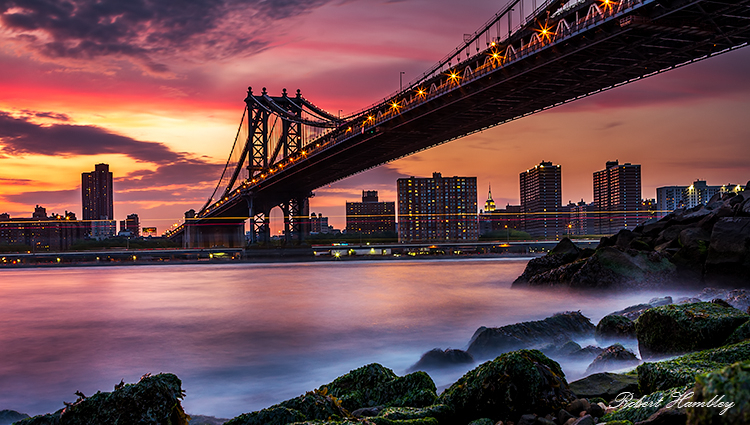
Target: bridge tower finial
{"points": [[299, 93], [249, 91], [264, 90], [283, 92]]}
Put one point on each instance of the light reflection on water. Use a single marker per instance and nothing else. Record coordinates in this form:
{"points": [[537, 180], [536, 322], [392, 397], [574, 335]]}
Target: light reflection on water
{"points": [[245, 336]]}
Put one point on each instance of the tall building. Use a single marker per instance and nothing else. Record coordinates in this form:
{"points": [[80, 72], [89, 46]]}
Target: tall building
{"points": [[131, 225], [580, 218], [437, 209], [41, 233], [319, 223], [370, 216], [670, 198], [98, 201], [617, 197], [541, 201]]}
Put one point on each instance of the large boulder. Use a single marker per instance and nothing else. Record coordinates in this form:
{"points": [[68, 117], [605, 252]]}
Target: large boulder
{"points": [[375, 385], [732, 383], [677, 329], [613, 357], [564, 252], [153, 400], [728, 260], [515, 383], [439, 359], [489, 342], [605, 385], [440, 412], [7, 417], [614, 328], [610, 267], [737, 298], [683, 370]]}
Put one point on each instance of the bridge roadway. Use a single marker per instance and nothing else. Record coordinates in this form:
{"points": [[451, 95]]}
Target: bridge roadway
{"points": [[546, 63]]}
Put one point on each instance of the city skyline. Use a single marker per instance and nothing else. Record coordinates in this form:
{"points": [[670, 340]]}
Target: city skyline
{"points": [[165, 123]]}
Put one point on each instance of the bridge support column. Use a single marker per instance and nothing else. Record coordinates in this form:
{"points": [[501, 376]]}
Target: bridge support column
{"points": [[260, 226], [297, 218]]}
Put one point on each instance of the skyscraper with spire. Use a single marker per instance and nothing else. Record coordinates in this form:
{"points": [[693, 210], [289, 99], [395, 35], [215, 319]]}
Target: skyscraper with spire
{"points": [[489, 205]]}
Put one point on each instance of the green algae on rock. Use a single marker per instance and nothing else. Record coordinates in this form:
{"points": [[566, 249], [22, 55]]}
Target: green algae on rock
{"points": [[614, 328], [437, 411], [375, 385], [153, 400], [683, 370], [740, 334], [732, 384], [515, 383], [677, 329], [309, 406]]}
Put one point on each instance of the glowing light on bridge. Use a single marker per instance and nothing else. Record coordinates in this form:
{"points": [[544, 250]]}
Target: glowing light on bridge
{"points": [[395, 105], [453, 76], [421, 91]]}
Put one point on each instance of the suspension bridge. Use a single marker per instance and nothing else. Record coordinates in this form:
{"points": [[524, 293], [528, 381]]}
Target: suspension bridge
{"points": [[531, 56]]}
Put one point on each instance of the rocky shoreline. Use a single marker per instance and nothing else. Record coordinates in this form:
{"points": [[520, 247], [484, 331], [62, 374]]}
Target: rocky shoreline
{"points": [[705, 245], [521, 384]]}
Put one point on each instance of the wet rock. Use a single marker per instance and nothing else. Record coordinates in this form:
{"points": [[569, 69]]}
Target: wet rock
{"points": [[565, 252], [687, 300], [720, 302], [740, 334], [483, 421], [577, 406], [585, 420], [489, 342], [677, 329], [733, 382], [527, 419], [737, 298], [564, 416], [437, 359], [613, 357], [153, 400], [683, 370], [367, 411], [441, 412], [587, 352], [7, 417], [633, 312], [614, 328], [375, 385], [728, 259], [666, 416], [595, 410], [611, 268], [275, 415], [513, 384], [605, 385]]}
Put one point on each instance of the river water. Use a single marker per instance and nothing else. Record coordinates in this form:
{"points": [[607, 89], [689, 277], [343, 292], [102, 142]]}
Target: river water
{"points": [[245, 336]]}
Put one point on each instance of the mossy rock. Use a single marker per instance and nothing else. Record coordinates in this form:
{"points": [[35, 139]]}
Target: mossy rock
{"points": [[154, 400], [683, 370], [649, 405], [614, 328], [420, 421], [515, 383], [605, 385], [619, 423], [732, 382], [310, 406], [482, 421], [740, 334], [677, 329], [437, 411], [271, 416], [375, 385]]}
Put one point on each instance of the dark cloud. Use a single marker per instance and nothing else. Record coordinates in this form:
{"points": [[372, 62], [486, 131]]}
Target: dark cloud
{"points": [[51, 115], [148, 31], [45, 198], [188, 171], [19, 136]]}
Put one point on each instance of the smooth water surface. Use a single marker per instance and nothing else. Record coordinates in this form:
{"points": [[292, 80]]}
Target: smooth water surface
{"points": [[245, 336]]}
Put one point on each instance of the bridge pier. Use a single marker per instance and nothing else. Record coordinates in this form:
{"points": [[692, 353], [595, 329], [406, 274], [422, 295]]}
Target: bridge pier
{"points": [[297, 219]]}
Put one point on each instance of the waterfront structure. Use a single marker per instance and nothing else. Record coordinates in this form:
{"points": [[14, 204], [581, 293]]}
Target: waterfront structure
{"points": [[131, 225], [40, 232], [581, 218], [319, 224], [98, 201], [541, 200], [437, 209], [617, 197], [370, 216], [670, 198]]}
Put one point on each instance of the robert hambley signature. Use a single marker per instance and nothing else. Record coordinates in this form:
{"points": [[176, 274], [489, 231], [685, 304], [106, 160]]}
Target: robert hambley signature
{"points": [[678, 399]]}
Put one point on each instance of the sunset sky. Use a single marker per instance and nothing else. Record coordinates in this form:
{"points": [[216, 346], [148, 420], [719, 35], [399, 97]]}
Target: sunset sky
{"points": [[156, 89]]}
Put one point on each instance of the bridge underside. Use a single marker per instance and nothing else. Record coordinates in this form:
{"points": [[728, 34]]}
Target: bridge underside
{"points": [[646, 39]]}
